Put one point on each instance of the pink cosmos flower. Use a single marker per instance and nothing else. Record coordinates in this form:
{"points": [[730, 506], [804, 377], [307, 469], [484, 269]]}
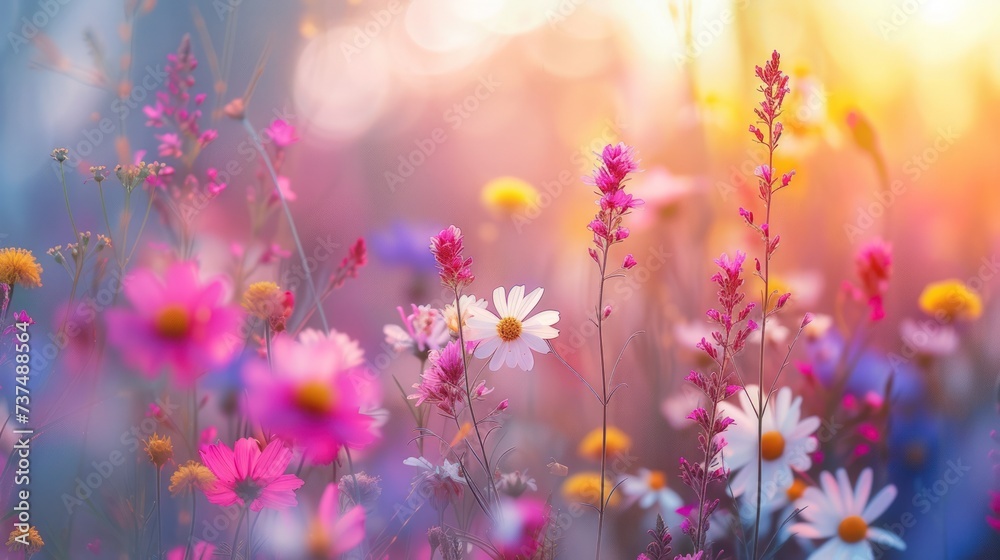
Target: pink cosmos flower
{"points": [[177, 321], [423, 330], [251, 477], [315, 393], [874, 266], [282, 133], [335, 533]]}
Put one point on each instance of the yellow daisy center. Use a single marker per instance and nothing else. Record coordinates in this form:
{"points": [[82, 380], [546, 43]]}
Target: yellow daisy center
{"points": [[772, 445], [796, 490], [657, 480], [852, 529], [315, 398], [173, 322], [509, 329]]}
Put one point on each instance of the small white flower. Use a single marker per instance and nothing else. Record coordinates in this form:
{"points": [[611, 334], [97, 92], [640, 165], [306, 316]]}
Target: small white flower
{"points": [[510, 338], [844, 515], [650, 489], [451, 312], [785, 445], [422, 331]]}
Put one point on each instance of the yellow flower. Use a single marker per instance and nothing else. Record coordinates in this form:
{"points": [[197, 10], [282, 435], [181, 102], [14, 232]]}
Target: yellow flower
{"points": [[18, 266], [950, 300], [509, 195], [30, 542], [160, 450], [618, 442], [263, 300], [189, 477], [585, 488]]}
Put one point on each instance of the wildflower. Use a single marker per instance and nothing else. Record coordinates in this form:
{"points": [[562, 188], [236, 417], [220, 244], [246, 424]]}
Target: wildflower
{"points": [[650, 489], [466, 302], [511, 337], [447, 247], [18, 266], [928, 338], [951, 300], [442, 383], [281, 133], [267, 302], [509, 195], [515, 483], [189, 477], [425, 330], [235, 109], [591, 444], [520, 531], [784, 446], [201, 550], [334, 533], [159, 449], [585, 488], [313, 393], [440, 483], [361, 486], [170, 145], [617, 161], [844, 515], [177, 321], [874, 267], [98, 172], [29, 542], [818, 326], [250, 477], [60, 154]]}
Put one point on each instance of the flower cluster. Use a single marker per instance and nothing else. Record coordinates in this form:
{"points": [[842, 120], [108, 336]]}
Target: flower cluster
{"points": [[175, 105], [447, 247], [617, 161]]}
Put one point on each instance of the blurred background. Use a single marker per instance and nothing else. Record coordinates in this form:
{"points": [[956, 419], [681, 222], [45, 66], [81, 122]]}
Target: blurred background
{"points": [[413, 115]]}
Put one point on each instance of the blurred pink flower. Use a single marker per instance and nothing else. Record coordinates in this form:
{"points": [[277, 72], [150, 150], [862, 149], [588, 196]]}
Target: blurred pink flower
{"points": [[282, 133], [200, 551], [519, 531], [248, 476], [177, 321], [170, 145], [441, 383], [314, 393], [874, 266], [335, 533], [423, 330]]}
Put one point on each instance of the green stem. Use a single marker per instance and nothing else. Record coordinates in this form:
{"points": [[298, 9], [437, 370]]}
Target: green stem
{"points": [[159, 514], [604, 401], [142, 226], [62, 177], [194, 505], [236, 535]]}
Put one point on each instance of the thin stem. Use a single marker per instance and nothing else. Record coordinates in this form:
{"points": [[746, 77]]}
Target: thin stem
{"points": [[62, 177], [604, 400], [236, 535], [249, 536], [194, 506], [142, 226], [107, 221], [468, 395], [159, 514], [291, 224]]}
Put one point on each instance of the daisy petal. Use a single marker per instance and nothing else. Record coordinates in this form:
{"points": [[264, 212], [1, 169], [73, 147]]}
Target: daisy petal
{"points": [[527, 304], [879, 504], [885, 538]]}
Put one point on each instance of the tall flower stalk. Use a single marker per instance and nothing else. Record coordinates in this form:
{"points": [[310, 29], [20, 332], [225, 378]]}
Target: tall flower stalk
{"points": [[734, 327], [617, 161], [766, 132]]}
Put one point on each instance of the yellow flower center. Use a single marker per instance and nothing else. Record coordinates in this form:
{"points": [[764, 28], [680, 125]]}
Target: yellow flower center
{"points": [[315, 398], [772, 445], [796, 490], [852, 529], [173, 322], [509, 329], [657, 480]]}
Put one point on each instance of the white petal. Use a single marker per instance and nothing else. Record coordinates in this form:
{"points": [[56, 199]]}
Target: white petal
{"points": [[806, 531], [832, 550], [863, 488], [527, 304], [525, 359], [500, 301], [847, 493], [832, 492], [512, 354], [535, 342], [879, 504], [541, 331], [498, 356], [857, 551], [547, 318], [487, 347], [514, 299], [885, 538]]}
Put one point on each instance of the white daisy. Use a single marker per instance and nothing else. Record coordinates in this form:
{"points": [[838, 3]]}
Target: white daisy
{"points": [[650, 489], [844, 515], [510, 338], [785, 445]]}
